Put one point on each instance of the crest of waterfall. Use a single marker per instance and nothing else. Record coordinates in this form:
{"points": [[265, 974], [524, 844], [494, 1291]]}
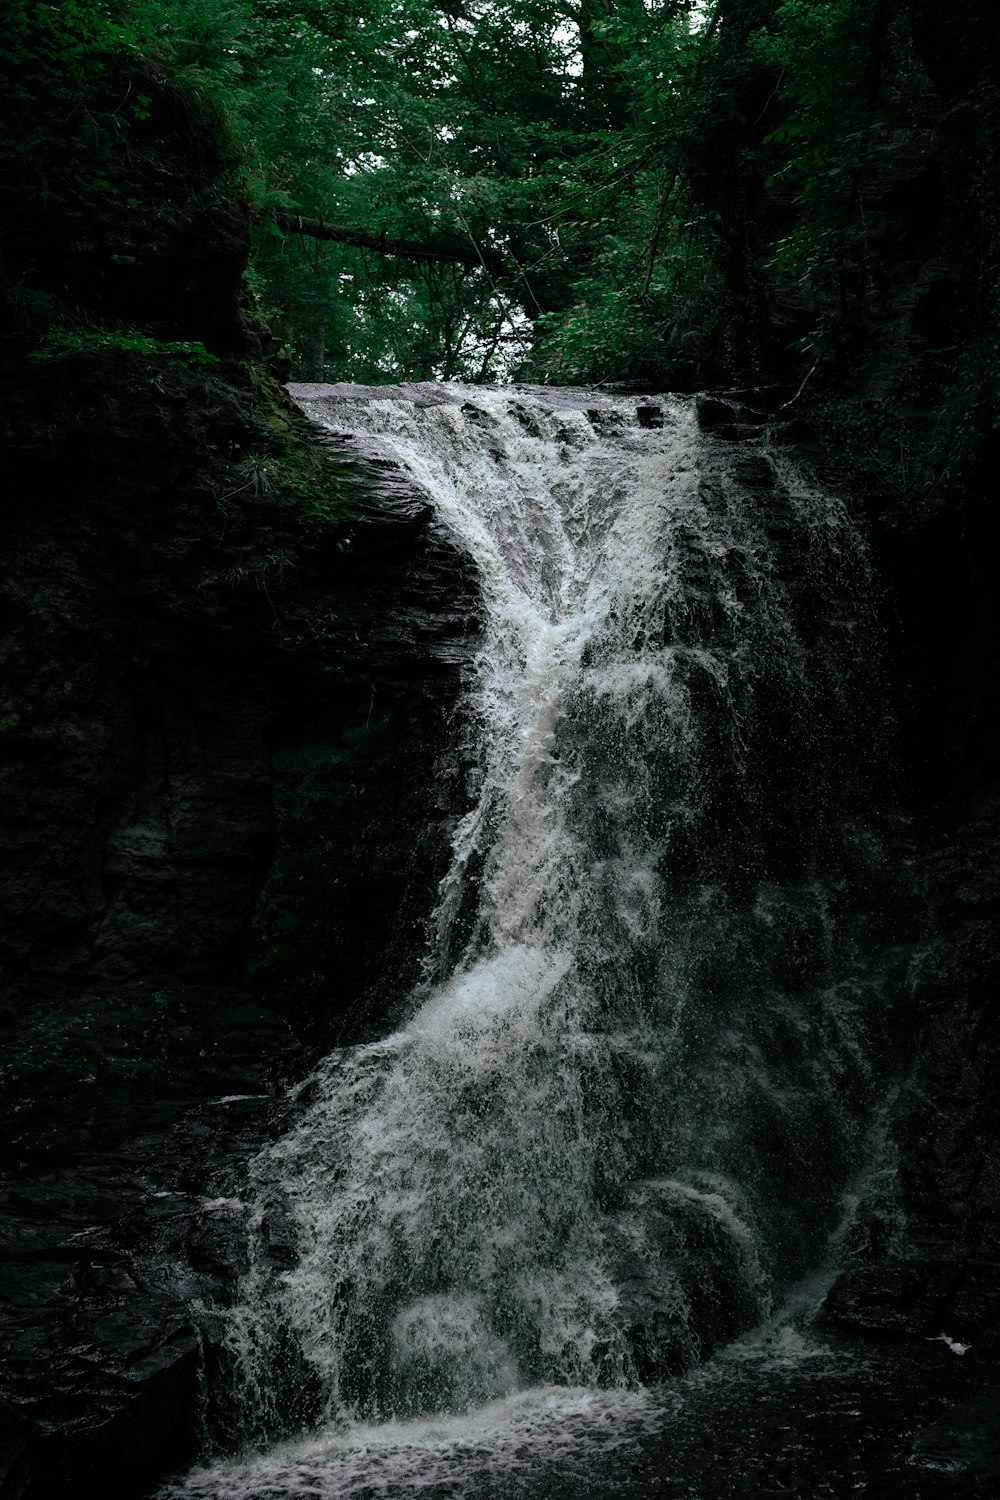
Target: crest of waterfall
{"points": [[639, 1071]]}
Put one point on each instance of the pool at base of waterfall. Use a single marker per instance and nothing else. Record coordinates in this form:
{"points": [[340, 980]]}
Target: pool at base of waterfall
{"points": [[778, 1413]]}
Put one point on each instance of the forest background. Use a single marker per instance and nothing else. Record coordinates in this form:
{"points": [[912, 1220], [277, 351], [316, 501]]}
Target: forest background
{"points": [[800, 192]]}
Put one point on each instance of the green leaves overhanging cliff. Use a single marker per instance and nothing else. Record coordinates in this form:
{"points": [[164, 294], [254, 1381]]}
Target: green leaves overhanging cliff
{"points": [[792, 191]]}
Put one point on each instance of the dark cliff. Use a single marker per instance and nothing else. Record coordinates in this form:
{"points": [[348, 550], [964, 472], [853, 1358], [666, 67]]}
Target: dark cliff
{"points": [[229, 673], [857, 209]]}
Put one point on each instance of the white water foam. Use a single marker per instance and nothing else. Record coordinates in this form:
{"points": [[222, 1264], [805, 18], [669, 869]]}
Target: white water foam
{"points": [[492, 1449]]}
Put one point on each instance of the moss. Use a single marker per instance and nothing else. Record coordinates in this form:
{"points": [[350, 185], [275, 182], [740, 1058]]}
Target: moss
{"points": [[59, 342]]}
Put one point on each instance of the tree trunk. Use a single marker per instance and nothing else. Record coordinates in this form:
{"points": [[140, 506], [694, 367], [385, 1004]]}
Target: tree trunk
{"points": [[453, 251]]}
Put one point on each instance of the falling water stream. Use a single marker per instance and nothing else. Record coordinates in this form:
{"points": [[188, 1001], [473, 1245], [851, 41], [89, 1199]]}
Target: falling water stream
{"points": [[640, 1078]]}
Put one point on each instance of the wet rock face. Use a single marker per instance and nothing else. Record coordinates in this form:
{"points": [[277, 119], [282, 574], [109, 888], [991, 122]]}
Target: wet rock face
{"points": [[367, 800], [228, 793], [100, 1262], [926, 1262], [131, 749], [167, 645]]}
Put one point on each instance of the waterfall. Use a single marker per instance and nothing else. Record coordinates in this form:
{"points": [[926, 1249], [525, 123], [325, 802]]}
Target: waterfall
{"points": [[638, 1074]]}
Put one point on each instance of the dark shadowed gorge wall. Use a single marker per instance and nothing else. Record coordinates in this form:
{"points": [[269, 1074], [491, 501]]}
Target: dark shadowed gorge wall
{"points": [[207, 633], [228, 678], [847, 156]]}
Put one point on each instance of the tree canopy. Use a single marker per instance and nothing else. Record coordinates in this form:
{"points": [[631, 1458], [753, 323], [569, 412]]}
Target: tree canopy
{"points": [[682, 192], [507, 138]]}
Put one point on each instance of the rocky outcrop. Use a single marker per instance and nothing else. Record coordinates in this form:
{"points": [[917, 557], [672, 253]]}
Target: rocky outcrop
{"points": [[925, 1259], [229, 791], [99, 1260], [922, 1259], [230, 662], [179, 626]]}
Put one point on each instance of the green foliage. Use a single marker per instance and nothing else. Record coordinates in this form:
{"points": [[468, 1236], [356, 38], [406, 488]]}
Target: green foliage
{"points": [[830, 58], [554, 148], [57, 343], [417, 124], [502, 126], [644, 307], [644, 189], [860, 84], [926, 438], [79, 91]]}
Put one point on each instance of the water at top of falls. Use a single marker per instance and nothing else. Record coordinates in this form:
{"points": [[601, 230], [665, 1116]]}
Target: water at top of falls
{"points": [[640, 1071]]}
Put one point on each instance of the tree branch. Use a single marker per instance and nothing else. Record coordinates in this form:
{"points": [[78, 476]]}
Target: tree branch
{"points": [[365, 239]]}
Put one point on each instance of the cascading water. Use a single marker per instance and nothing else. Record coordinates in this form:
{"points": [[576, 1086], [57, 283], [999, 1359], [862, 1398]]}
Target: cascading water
{"points": [[638, 1075]]}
